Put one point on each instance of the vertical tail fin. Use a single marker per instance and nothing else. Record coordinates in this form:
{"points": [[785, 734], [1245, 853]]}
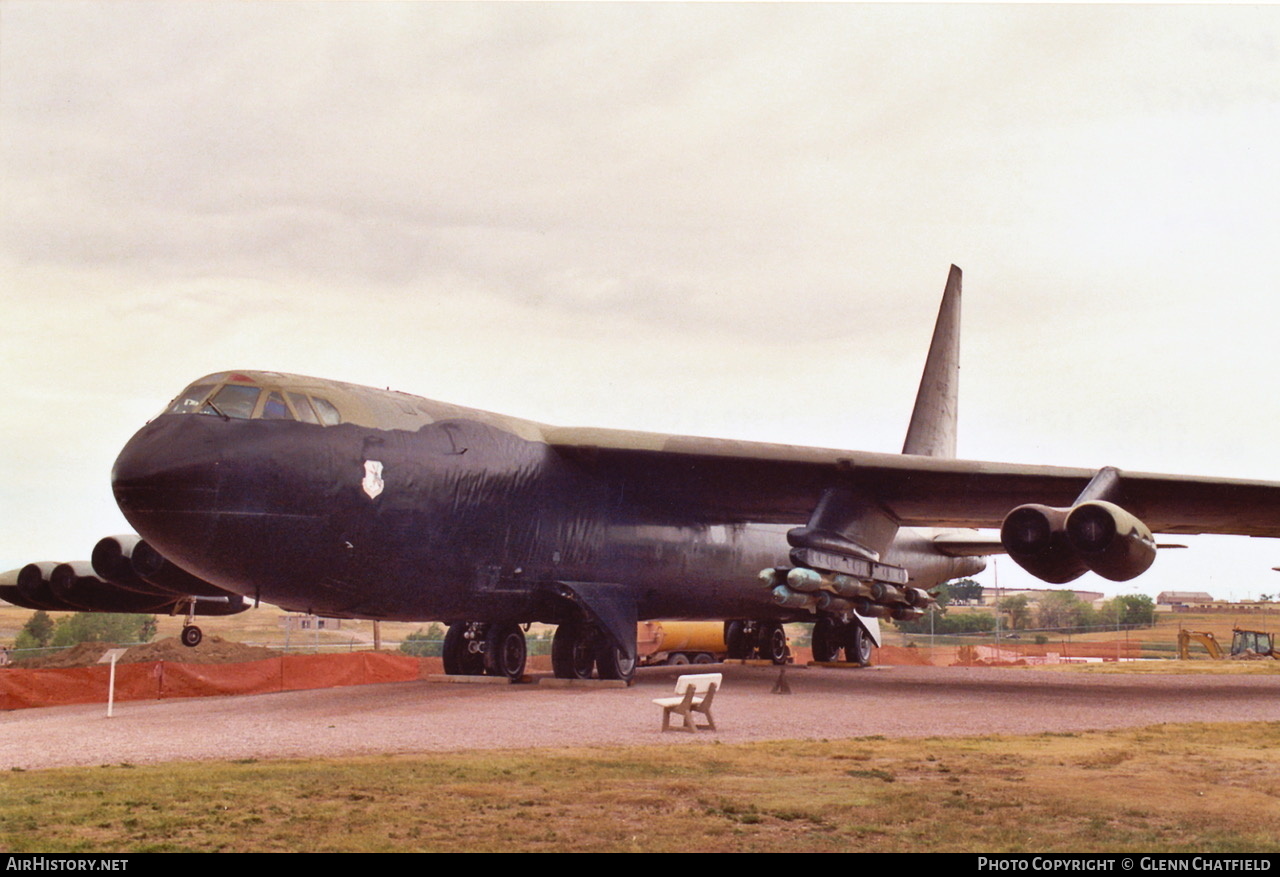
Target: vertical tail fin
{"points": [[932, 432]]}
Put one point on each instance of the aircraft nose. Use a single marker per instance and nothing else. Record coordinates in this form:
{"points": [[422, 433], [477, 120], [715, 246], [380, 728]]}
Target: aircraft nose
{"points": [[167, 474]]}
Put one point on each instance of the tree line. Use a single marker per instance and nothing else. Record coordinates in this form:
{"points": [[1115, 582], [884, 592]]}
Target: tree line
{"points": [[42, 632], [1060, 611]]}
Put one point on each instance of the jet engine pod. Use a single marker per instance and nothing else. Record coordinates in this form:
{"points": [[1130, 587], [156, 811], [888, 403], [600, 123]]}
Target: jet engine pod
{"points": [[112, 561], [1035, 537], [31, 588], [1115, 544], [76, 585], [157, 570]]}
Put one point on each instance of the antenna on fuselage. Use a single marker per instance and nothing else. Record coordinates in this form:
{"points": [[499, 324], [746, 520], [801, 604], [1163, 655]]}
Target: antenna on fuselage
{"points": [[932, 432]]}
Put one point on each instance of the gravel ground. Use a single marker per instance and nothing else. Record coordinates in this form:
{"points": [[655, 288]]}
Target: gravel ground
{"points": [[434, 716]]}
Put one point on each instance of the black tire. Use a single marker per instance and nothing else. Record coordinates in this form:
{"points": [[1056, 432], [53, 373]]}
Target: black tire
{"points": [[828, 640], [572, 651], [459, 660], [679, 659], [613, 663], [191, 636], [505, 651], [704, 658], [736, 641], [857, 645], [772, 642], [451, 653]]}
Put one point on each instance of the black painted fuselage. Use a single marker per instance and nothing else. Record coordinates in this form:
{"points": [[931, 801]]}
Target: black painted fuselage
{"points": [[408, 509]]}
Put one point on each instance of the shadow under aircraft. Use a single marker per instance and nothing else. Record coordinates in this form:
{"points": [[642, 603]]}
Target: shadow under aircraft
{"points": [[354, 502]]}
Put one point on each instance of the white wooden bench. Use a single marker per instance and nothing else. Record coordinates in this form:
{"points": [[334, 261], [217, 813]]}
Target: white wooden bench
{"points": [[694, 694]]}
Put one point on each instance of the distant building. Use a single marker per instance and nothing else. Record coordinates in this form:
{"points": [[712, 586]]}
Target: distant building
{"points": [[309, 622], [1034, 595], [1265, 607], [1182, 598]]}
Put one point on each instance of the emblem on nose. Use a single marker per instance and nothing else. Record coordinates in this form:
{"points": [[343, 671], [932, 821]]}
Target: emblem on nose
{"points": [[372, 483]]}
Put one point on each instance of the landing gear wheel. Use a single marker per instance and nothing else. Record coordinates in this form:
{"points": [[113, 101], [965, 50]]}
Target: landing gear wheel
{"points": [[827, 640], [736, 641], [614, 663], [191, 636], [459, 658], [857, 645], [451, 652], [505, 651], [572, 651], [772, 642]]}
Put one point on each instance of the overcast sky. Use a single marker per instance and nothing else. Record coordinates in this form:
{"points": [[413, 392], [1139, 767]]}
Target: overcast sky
{"points": [[715, 219]]}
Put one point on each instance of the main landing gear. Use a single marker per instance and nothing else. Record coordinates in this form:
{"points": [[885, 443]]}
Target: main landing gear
{"points": [[477, 648], [578, 648], [756, 639], [831, 636], [505, 651]]}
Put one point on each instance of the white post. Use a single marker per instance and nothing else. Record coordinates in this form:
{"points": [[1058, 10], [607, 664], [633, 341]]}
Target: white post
{"points": [[111, 689], [111, 655]]}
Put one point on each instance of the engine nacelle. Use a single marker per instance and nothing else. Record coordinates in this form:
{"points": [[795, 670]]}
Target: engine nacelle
{"points": [[1059, 545], [75, 584], [112, 561], [1035, 537], [76, 587], [1113, 542], [32, 588], [157, 570]]}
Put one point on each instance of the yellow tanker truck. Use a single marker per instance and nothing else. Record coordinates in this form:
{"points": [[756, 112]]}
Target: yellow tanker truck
{"points": [[680, 642]]}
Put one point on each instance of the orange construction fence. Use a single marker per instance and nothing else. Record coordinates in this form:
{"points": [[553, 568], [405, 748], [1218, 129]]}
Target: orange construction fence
{"points": [[20, 689]]}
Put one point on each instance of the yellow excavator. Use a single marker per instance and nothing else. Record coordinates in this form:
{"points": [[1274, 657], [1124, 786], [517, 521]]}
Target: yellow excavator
{"points": [[1244, 644]]}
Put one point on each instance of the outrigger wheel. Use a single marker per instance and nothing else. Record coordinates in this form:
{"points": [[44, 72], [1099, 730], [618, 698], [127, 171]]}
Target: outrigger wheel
{"points": [[191, 636]]}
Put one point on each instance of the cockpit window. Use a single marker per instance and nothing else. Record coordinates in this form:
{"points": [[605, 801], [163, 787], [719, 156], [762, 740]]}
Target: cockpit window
{"points": [[303, 407], [241, 400], [189, 401], [233, 400], [329, 415], [274, 408]]}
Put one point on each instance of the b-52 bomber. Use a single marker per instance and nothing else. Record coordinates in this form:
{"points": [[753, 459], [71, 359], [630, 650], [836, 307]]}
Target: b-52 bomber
{"points": [[355, 502]]}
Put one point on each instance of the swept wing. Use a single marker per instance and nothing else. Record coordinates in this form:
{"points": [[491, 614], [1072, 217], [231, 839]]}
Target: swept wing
{"points": [[724, 481]]}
